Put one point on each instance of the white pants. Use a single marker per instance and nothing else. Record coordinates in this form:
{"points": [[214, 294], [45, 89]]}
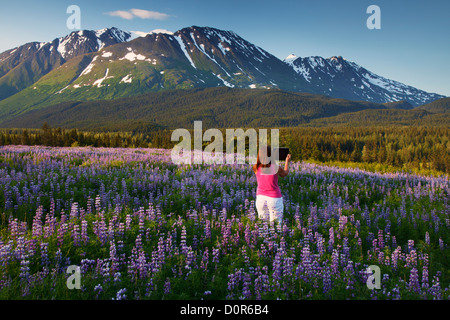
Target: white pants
{"points": [[269, 208]]}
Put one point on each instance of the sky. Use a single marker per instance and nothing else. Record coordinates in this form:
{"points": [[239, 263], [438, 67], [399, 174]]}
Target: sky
{"points": [[412, 46]]}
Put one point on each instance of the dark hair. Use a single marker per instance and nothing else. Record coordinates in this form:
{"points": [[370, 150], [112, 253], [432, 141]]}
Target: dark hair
{"points": [[266, 163]]}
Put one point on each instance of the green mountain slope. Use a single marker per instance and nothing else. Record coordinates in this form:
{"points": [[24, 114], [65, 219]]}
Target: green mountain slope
{"points": [[437, 106], [216, 107], [390, 117]]}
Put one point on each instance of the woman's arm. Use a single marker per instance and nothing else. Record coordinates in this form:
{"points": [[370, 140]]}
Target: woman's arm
{"points": [[284, 172]]}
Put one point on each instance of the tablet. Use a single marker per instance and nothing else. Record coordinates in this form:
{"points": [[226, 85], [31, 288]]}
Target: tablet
{"points": [[282, 153]]}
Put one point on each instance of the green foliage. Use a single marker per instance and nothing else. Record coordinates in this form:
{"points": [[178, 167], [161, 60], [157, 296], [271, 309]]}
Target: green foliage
{"points": [[437, 106], [217, 107], [424, 150]]}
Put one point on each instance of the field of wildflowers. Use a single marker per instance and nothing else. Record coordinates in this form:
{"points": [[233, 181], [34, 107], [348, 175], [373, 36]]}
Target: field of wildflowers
{"points": [[140, 227]]}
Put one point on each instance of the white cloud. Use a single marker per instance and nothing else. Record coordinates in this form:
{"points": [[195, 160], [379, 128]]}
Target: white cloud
{"points": [[140, 13], [120, 13], [146, 14]]}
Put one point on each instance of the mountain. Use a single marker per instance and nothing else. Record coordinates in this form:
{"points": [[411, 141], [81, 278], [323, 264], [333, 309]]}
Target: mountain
{"points": [[110, 64], [341, 78], [24, 65], [218, 107], [437, 106], [189, 58], [404, 105], [385, 118]]}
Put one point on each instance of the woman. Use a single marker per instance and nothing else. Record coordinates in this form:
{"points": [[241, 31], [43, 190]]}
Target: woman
{"points": [[268, 192]]}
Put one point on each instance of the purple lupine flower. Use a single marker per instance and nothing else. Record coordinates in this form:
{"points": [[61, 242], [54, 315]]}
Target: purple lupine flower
{"points": [[24, 269], [410, 245], [381, 258], [50, 224], [335, 262], [326, 279], [141, 223], [342, 222], [76, 235], [167, 286], [113, 258], [36, 229], [394, 242], [128, 222], [441, 244], [20, 251], [44, 253], [248, 235], [120, 295], [98, 290], [331, 240], [190, 258], [246, 293], [98, 205], [216, 252], [207, 229], [425, 284], [413, 284], [138, 242], [233, 282], [205, 260], [149, 288], [61, 232], [411, 259], [320, 244], [84, 232], [261, 283], [141, 264], [380, 239], [435, 289], [427, 238], [277, 265]]}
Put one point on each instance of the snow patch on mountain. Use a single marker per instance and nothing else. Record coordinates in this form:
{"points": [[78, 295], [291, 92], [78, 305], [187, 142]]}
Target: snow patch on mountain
{"points": [[226, 83], [139, 34], [183, 48], [89, 67], [98, 82], [127, 79], [131, 56]]}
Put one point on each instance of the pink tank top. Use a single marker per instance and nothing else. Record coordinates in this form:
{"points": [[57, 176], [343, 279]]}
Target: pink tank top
{"points": [[268, 183]]}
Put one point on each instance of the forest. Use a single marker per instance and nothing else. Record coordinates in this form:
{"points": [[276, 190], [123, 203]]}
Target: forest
{"points": [[407, 148]]}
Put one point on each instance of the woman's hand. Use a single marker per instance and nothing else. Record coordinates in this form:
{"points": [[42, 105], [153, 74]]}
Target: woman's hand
{"points": [[288, 158]]}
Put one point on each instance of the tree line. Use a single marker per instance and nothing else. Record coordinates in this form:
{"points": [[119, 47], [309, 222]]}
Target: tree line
{"points": [[401, 147]]}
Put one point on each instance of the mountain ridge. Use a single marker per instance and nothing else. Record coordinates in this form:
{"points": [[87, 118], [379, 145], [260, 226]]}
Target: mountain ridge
{"points": [[24, 65], [192, 57]]}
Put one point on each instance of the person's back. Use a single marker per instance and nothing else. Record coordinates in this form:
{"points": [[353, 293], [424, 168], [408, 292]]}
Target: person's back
{"points": [[269, 200], [268, 182]]}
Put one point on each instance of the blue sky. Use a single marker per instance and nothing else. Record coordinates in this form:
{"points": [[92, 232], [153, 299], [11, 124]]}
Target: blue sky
{"points": [[412, 46]]}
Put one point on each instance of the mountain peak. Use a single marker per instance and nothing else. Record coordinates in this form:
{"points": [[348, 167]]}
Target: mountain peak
{"points": [[138, 34], [84, 41], [337, 59], [192, 57]]}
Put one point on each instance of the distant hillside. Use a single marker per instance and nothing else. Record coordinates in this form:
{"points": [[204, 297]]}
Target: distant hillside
{"points": [[216, 107], [405, 105], [437, 106], [389, 117]]}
